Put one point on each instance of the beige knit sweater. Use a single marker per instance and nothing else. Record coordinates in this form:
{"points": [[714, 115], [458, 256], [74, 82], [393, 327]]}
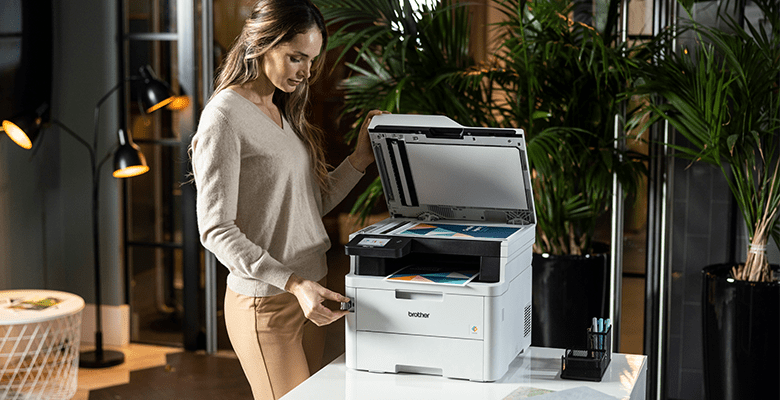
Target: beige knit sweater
{"points": [[259, 206]]}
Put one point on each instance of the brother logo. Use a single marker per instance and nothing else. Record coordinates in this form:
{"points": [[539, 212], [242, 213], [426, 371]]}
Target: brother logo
{"points": [[417, 314]]}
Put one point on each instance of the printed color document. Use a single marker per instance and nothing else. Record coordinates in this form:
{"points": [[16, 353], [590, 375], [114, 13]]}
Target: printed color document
{"points": [[468, 231], [435, 275]]}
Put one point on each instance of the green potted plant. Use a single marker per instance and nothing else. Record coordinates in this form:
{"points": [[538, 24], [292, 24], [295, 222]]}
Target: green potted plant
{"points": [[558, 80], [722, 96], [562, 81]]}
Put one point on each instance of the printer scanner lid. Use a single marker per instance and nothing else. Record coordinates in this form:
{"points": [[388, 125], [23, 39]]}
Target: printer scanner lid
{"points": [[433, 168]]}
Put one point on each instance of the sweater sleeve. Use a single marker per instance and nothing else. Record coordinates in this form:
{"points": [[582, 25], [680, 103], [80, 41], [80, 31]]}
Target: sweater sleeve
{"points": [[342, 179], [216, 161]]}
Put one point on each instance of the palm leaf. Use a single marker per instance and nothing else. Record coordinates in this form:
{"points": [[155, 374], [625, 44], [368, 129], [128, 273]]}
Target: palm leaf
{"points": [[722, 97]]}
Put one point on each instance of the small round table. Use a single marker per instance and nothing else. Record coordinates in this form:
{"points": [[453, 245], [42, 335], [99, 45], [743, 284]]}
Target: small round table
{"points": [[40, 333]]}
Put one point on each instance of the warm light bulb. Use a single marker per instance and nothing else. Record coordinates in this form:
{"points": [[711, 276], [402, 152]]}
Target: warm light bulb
{"points": [[179, 103], [131, 171], [17, 134], [159, 105]]}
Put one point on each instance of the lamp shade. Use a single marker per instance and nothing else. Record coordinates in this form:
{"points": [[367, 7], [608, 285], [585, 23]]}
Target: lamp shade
{"points": [[24, 128], [19, 135], [128, 159], [154, 93]]}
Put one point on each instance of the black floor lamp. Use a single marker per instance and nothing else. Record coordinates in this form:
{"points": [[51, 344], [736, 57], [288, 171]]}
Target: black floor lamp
{"points": [[128, 162]]}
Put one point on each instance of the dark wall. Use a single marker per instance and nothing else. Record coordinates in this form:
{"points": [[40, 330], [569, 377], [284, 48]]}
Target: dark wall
{"points": [[700, 237], [25, 55], [70, 59], [25, 83]]}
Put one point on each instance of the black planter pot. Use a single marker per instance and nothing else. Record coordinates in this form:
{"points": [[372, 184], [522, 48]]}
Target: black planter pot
{"points": [[741, 327], [568, 291]]}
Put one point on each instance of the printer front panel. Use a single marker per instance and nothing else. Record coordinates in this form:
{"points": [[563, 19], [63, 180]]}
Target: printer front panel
{"points": [[419, 312]]}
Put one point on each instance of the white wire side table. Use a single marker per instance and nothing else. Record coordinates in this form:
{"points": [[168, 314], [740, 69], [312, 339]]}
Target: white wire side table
{"points": [[40, 333]]}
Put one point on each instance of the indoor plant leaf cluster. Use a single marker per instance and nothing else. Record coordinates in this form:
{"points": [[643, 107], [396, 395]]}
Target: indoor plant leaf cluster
{"points": [[558, 80], [721, 94], [561, 81], [401, 58]]}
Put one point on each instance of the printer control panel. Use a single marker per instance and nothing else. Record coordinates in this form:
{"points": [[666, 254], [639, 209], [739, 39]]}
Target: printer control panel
{"points": [[379, 246], [374, 242]]}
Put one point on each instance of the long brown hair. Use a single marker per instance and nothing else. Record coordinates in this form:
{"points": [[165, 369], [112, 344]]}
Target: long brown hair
{"points": [[274, 22]]}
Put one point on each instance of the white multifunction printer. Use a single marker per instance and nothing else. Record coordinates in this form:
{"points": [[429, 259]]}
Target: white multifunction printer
{"points": [[443, 286]]}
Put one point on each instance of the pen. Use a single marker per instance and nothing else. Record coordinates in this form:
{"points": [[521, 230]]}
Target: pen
{"points": [[601, 330]]}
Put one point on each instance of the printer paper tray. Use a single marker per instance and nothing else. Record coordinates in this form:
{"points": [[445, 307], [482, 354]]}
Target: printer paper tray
{"points": [[449, 357]]}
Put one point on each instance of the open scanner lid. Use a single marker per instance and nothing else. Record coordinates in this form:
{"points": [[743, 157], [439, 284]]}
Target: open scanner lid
{"points": [[433, 168]]}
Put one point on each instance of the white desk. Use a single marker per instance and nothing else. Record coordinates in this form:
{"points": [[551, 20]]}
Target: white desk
{"points": [[40, 332], [538, 368]]}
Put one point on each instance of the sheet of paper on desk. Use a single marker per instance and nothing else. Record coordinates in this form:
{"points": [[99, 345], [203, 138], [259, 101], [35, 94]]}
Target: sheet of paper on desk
{"points": [[526, 392], [578, 393]]}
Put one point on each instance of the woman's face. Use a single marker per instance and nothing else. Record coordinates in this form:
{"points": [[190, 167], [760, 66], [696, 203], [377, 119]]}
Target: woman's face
{"points": [[287, 65]]}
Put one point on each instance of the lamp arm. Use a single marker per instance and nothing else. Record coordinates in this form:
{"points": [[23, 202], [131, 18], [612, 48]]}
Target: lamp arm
{"points": [[95, 234], [105, 158], [100, 102], [78, 139]]}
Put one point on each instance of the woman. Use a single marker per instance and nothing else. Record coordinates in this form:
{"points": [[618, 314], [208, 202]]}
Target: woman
{"points": [[263, 188]]}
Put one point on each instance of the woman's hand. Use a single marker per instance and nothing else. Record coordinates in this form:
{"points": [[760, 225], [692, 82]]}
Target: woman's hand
{"points": [[363, 155], [310, 296]]}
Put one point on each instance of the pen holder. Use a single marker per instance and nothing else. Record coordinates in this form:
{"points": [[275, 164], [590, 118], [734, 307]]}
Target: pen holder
{"points": [[588, 364]]}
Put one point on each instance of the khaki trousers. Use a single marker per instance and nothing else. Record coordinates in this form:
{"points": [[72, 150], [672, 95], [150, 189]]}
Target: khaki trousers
{"points": [[277, 346]]}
